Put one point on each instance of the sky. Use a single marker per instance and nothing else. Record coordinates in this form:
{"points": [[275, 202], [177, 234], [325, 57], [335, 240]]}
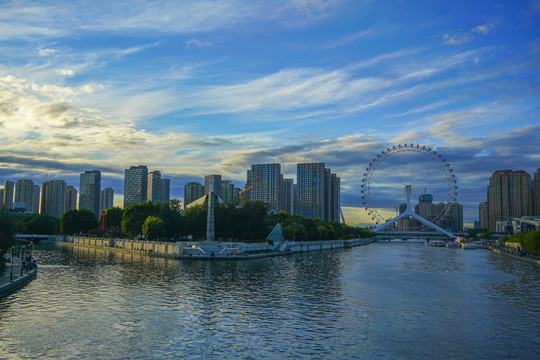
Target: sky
{"points": [[192, 88]]}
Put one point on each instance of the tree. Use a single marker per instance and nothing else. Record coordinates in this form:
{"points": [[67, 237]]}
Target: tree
{"points": [[153, 228], [7, 230], [37, 224], [76, 221], [531, 241], [134, 216], [114, 217], [174, 220]]}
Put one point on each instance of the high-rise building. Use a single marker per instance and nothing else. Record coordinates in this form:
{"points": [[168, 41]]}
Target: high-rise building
{"points": [[165, 190], [90, 191], [55, 198], [1, 199], [310, 190], [483, 215], [227, 191], [24, 193], [43, 201], [217, 184], [536, 193], [509, 195], [71, 198], [8, 194], [288, 195], [135, 185], [332, 193], [35, 208], [266, 180], [106, 198], [154, 183], [192, 192]]}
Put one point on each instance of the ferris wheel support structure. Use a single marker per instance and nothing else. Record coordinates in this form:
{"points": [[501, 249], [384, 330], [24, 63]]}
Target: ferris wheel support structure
{"points": [[409, 213]]}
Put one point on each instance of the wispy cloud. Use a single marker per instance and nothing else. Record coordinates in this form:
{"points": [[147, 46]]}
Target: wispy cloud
{"points": [[459, 37], [191, 43], [46, 52]]}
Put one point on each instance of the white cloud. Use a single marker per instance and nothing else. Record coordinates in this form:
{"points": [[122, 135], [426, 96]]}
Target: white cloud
{"points": [[191, 43], [66, 72], [457, 39], [47, 52], [464, 37], [482, 29]]}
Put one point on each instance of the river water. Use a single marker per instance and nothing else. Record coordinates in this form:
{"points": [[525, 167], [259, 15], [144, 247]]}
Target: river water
{"points": [[383, 301]]}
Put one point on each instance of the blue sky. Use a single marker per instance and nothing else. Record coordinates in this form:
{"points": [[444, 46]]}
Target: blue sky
{"points": [[198, 87]]}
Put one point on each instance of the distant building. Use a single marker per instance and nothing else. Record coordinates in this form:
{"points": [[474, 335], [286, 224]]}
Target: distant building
{"points": [[165, 190], [90, 191], [135, 185], [43, 200], [288, 190], [509, 195], [483, 215], [227, 191], [452, 221], [1, 199], [35, 208], [317, 192], [536, 193], [7, 200], [54, 198], [266, 180], [192, 192], [217, 184], [106, 198], [71, 197], [332, 194], [154, 182], [24, 194], [476, 225]]}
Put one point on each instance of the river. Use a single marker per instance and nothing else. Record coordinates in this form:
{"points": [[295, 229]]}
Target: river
{"points": [[381, 301]]}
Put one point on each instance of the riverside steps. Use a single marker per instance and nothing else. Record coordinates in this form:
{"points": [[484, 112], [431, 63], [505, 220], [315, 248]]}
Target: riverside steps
{"points": [[211, 250]]}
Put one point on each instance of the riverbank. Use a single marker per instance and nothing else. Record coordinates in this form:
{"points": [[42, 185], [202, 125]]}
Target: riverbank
{"points": [[209, 250], [518, 257], [12, 279]]}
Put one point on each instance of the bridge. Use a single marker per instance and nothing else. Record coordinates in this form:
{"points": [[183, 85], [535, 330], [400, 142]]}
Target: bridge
{"points": [[32, 237]]}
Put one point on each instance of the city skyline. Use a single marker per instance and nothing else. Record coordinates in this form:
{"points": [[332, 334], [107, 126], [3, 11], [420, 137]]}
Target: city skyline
{"points": [[204, 88]]}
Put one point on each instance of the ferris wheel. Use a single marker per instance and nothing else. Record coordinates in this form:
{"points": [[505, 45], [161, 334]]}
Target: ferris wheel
{"points": [[408, 171]]}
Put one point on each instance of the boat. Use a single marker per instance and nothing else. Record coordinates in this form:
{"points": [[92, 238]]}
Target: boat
{"points": [[453, 245], [437, 244], [468, 246]]}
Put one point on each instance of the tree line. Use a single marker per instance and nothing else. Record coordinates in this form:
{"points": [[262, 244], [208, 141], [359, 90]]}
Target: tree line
{"points": [[167, 222], [530, 240]]}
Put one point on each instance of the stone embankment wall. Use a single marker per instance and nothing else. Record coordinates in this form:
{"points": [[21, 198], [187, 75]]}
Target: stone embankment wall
{"points": [[211, 250], [149, 247]]}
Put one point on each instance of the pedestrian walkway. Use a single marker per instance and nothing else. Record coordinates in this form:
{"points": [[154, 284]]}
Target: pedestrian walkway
{"points": [[12, 279]]}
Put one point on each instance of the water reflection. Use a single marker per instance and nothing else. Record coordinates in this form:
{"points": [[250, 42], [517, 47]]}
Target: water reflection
{"points": [[377, 301]]}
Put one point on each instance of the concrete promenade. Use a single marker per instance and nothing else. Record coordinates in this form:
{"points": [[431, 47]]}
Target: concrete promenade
{"points": [[8, 285]]}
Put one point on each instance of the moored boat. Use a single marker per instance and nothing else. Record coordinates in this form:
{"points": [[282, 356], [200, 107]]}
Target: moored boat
{"points": [[437, 244], [468, 246], [453, 245]]}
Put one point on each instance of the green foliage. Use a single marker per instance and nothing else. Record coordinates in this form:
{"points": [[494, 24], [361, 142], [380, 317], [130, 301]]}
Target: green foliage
{"points": [[153, 228], [114, 217], [170, 213], [76, 221], [196, 221], [296, 227], [7, 230], [37, 224], [134, 216], [530, 240]]}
